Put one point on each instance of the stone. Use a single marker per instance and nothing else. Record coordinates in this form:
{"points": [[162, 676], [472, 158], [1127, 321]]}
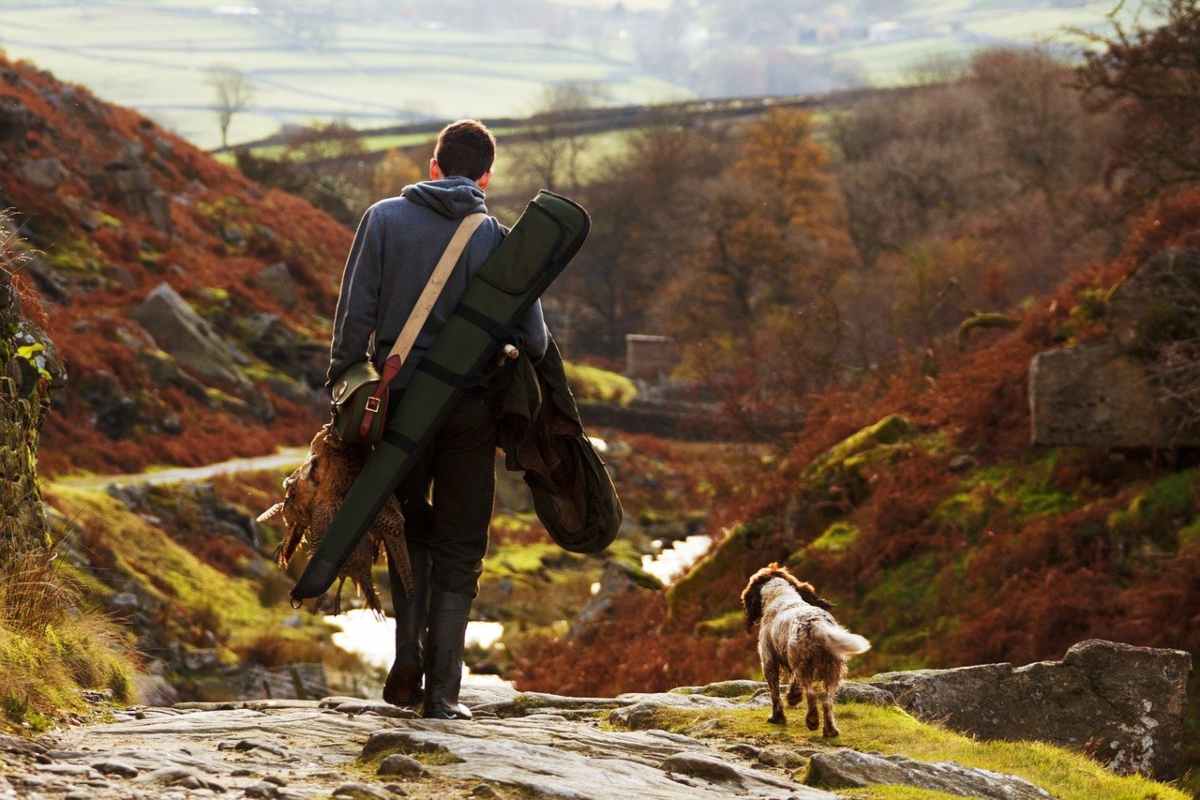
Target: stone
{"points": [[1123, 705], [962, 463], [180, 331], [277, 281], [129, 182], [780, 756], [637, 717], [856, 692], [1104, 394], [700, 765], [118, 768], [616, 581], [155, 690], [271, 339], [485, 792], [848, 769], [181, 776], [360, 791], [400, 765], [124, 603], [43, 173], [1096, 396]]}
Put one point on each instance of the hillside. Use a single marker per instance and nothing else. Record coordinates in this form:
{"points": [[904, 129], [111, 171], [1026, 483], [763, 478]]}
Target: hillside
{"points": [[115, 207], [918, 505]]}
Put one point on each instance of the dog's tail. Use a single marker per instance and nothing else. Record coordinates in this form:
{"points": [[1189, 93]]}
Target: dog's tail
{"points": [[842, 642]]}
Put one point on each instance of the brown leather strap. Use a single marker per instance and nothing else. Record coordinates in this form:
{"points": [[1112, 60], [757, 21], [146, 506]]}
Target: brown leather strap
{"points": [[420, 313]]}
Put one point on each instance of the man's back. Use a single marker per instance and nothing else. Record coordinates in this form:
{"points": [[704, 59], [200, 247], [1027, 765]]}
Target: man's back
{"points": [[398, 243]]}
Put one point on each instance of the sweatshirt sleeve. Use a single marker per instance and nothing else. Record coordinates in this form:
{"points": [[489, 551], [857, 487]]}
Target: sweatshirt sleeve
{"points": [[357, 314], [536, 334]]}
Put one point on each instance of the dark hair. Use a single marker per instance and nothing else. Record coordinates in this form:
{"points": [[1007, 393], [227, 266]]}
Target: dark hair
{"points": [[465, 148]]}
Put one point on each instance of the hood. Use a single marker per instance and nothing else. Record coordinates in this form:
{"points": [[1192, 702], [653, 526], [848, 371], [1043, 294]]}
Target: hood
{"points": [[453, 198]]}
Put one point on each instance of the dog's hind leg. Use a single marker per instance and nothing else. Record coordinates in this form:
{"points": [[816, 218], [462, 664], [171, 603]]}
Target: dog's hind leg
{"points": [[795, 691], [831, 729], [813, 719], [770, 666]]}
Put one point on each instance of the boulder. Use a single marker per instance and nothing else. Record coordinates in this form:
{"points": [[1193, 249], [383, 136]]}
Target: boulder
{"points": [[849, 769], [43, 173], [1121, 704], [129, 182], [616, 581], [1104, 394], [1096, 396], [277, 281], [180, 331], [276, 343]]}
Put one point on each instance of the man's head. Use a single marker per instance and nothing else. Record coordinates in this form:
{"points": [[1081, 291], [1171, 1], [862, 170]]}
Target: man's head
{"points": [[465, 148]]}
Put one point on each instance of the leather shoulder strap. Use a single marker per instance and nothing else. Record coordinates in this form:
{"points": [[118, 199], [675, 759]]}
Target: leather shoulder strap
{"points": [[433, 289]]}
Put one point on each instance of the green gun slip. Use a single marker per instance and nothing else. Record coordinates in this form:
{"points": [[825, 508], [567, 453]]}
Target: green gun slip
{"points": [[537, 249]]}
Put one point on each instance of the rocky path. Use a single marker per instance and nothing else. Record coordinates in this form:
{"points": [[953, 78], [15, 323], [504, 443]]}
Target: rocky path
{"points": [[520, 746]]}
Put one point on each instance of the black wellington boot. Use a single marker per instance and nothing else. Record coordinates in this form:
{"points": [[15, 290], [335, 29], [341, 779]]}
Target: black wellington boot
{"points": [[448, 615], [403, 687]]}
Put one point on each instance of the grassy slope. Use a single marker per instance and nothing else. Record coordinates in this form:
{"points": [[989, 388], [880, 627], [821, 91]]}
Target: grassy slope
{"points": [[890, 731], [226, 229]]}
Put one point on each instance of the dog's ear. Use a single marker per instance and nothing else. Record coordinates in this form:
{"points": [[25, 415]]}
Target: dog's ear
{"points": [[752, 600], [810, 596]]}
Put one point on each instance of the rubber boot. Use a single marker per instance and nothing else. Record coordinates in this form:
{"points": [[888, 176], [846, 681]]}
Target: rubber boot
{"points": [[448, 616], [403, 687]]}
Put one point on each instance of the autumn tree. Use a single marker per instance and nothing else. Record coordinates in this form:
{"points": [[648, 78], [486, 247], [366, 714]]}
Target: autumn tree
{"points": [[232, 94], [1150, 79], [646, 205], [394, 172], [752, 301]]}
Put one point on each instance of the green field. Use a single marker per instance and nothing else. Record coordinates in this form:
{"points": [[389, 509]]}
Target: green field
{"points": [[155, 55]]}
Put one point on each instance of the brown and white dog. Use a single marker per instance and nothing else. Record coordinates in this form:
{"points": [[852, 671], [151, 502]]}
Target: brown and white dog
{"points": [[797, 633]]}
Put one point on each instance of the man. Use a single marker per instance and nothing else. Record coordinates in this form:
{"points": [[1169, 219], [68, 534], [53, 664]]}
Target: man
{"points": [[398, 243]]}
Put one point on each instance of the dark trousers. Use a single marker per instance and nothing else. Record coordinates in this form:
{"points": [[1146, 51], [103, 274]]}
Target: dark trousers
{"points": [[461, 466]]}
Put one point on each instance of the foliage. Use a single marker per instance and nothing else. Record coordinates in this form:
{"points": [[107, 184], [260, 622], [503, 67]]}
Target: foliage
{"points": [[599, 385], [1146, 77]]}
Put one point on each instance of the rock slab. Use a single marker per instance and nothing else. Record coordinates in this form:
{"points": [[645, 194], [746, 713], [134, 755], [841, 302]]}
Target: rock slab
{"points": [[848, 769], [1121, 704]]}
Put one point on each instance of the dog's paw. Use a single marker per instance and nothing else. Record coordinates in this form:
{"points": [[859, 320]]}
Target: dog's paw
{"points": [[831, 733], [778, 718], [794, 696], [813, 721]]}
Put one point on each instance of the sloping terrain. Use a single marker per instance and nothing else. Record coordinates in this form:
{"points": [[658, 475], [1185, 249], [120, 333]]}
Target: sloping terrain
{"points": [[220, 364], [918, 505]]}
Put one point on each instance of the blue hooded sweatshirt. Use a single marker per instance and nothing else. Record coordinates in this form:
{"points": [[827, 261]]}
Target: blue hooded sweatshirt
{"points": [[398, 243]]}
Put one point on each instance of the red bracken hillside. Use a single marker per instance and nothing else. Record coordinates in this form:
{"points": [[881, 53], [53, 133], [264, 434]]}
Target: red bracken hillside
{"points": [[117, 206]]}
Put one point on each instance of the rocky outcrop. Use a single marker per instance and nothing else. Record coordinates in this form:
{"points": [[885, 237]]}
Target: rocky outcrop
{"points": [[1105, 394], [849, 769], [1123, 705], [129, 182], [180, 331]]}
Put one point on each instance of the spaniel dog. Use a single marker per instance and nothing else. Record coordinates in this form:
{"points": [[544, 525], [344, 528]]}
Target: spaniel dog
{"points": [[797, 633]]}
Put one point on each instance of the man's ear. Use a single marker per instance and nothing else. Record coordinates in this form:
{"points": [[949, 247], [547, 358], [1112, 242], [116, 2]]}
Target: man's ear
{"points": [[484, 180], [435, 170]]}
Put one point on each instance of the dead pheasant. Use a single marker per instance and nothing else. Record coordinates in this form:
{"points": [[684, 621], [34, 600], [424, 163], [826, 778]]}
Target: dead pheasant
{"points": [[311, 497]]}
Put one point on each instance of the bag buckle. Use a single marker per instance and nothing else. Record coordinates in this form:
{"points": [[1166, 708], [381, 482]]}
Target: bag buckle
{"points": [[373, 405]]}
